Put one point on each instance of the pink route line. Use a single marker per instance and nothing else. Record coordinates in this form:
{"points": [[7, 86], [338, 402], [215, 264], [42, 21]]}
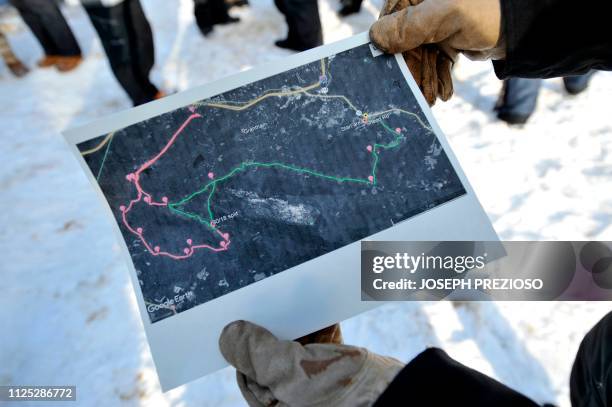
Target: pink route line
{"points": [[146, 197]]}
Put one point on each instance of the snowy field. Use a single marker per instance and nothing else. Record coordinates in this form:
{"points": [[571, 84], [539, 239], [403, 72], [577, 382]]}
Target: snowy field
{"points": [[67, 311]]}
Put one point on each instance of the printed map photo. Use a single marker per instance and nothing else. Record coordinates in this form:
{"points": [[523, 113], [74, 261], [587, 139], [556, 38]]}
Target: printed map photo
{"points": [[236, 188]]}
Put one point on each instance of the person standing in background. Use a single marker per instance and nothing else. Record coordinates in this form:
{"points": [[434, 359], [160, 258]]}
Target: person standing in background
{"points": [[349, 7], [12, 62], [236, 3], [519, 96], [128, 42], [45, 20], [304, 24], [208, 13]]}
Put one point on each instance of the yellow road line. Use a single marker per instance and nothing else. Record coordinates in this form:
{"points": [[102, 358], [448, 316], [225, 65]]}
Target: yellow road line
{"points": [[372, 115], [230, 107], [99, 146], [266, 95], [240, 102], [252, 102], [335, 97], [406, 112], [259, 99]]}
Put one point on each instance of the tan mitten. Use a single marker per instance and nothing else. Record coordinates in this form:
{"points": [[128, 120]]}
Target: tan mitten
{"points": [[272, 372]]}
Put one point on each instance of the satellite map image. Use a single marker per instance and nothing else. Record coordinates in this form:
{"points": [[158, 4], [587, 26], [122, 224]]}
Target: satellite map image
{"points": [[235, 188]]}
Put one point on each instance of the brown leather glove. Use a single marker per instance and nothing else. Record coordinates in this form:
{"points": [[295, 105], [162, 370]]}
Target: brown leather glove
{"points": [[429, 64], [431, 33], [271, 372], [331, 334]]}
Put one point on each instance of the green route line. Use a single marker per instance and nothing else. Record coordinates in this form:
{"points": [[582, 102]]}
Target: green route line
{"points": [[211, 187], [398, 138], [110, 141]]}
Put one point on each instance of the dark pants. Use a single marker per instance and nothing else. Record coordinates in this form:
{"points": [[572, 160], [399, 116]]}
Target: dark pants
{"points": [[520, 95], [49, 26], [303, 20], [128, 41], [591, 379], [519, 98], [353, 4], [210, 12]]}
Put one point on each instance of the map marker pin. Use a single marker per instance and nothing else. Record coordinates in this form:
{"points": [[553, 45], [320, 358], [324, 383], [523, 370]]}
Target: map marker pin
{"points": [[369, 148], [186, 250], [165, 199], [222, 243], [226, 236], [156, 248], [122, 208], [147, 199], [398, 130], [211, 175], [371, 178], [189, 242], [139, 230]]}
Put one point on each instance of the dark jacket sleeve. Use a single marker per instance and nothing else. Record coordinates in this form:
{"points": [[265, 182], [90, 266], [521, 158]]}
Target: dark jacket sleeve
{"points": [[434, 379], [591, 379], [547, 38]]}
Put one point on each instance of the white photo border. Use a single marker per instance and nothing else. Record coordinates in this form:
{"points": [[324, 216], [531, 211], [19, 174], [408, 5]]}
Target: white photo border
{"points": [[304, 298]]}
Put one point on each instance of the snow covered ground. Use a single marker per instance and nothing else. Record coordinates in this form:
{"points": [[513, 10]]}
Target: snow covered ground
{"points": [[67, 310]]}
